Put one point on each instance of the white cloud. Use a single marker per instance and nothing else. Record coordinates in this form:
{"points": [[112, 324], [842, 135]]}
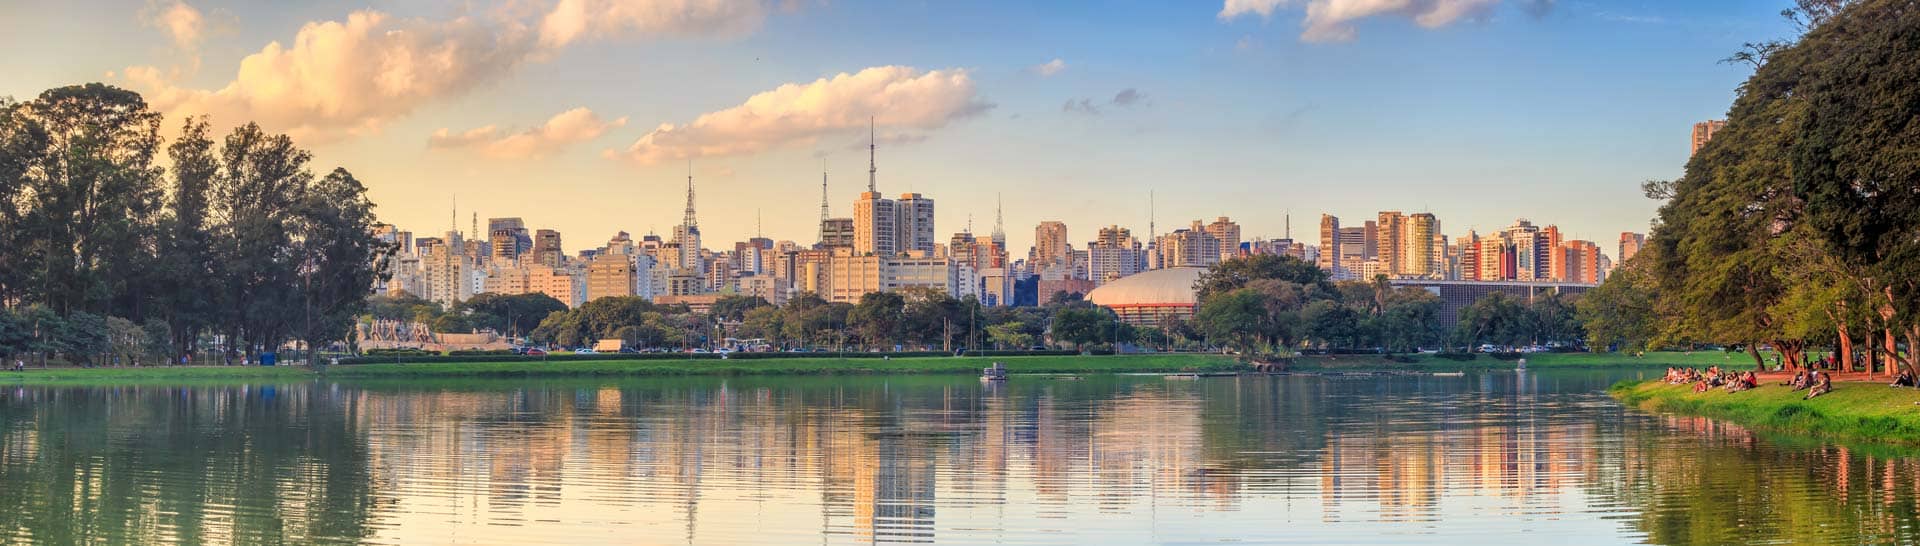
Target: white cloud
{"points": [[571, 20], [566, 128], [897, 97], [183, 24], [1332, 20], [350, 77], [1049, 68]]}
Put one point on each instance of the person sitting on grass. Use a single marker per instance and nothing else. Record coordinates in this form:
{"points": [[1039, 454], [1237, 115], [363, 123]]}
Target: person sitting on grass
{"points": [[1904, 380], [1822, 384]]}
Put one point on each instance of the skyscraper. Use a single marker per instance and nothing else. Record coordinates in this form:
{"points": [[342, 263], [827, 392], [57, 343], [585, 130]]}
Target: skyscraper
{"points": [[874, 225], [913, 223], [1330, 244], [1050, 247], [1630, 244], [1227, 234], [1114, 255], [1703, 132], [546, 248], [686, 238], [1416, 245], [1387, 236]]}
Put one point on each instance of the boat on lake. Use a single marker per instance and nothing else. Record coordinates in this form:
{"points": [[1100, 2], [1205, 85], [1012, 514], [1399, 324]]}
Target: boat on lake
{"points": [[996, 372]]}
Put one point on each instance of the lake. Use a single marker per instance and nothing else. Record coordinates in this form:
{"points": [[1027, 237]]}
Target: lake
{"points": [[1485, 459]]}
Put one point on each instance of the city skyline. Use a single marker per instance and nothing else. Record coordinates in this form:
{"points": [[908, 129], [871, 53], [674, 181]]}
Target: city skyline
{"points": [[1256, 104]]}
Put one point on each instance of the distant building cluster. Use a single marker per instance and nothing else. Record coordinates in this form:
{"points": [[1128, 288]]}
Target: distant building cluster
{"points": [[891, 244], [1411, 246]]}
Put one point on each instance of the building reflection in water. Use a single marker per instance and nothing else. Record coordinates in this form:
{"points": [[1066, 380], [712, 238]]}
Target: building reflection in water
{"points": [[1122, 460]]}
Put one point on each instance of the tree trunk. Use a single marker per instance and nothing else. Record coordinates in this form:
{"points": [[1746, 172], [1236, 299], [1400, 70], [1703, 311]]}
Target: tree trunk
{"points": [[1846, 347], [1753, 350], [1891, 351]]}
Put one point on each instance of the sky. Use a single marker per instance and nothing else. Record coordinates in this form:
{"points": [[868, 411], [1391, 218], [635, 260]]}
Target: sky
{"points": [[586, 115]]}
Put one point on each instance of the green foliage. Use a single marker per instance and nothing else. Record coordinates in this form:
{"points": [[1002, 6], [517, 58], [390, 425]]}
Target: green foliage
{"points": [[1497, 318], [1620, 312], [1239, 272], [877, 319], [511, 315]]}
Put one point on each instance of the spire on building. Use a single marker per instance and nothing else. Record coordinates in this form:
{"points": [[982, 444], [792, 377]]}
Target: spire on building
{"points": [[999, 226], [689, 221], [756, 224], [873, 172], [1152, 231], [453, 220]]}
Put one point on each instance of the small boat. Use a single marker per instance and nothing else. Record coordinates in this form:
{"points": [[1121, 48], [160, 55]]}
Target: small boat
{"points": [[996, 372], [1449, 374], [1182, 376]]}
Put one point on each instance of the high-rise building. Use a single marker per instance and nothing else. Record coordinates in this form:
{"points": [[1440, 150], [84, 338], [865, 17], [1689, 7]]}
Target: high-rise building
{"points": [[1703, 132], [546, 248], [1415, 245], [874, 225], [1330, 245], [836, 233], [610, 275], [913, 223], [1050, 247], [1227, 235], [522, 241], [1387, 235], [1187, 247], [1630, 244], [1114, 255], [505, 246]]}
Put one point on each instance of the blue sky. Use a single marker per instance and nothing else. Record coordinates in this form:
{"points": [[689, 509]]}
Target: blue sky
{"points": [[1479, 111]]}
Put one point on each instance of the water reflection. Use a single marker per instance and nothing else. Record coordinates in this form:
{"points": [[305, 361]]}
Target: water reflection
{"points": [[1498, 458]]}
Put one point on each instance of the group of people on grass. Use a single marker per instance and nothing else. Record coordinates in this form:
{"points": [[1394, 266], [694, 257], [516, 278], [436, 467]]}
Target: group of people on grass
{"points": [[1815, 381], [1704, 380]]}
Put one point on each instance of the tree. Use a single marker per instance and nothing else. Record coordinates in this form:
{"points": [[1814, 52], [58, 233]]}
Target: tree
{"points": [[1620, 312], [512, 315], [1238, 319], [1497, 318], [877, 318], [1082, 324], [1238, 272], [92, 192], [1552, 320], [338, 257], [126, 342], [735, 307], [1331, 324], [1010, 334], [1410, 320]]}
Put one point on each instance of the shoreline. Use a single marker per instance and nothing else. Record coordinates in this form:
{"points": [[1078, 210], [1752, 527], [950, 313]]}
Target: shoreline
{"points": [[1856, 411], [830, 366]]}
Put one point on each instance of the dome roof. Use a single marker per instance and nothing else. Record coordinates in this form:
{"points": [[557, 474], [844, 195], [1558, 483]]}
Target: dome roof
{"points": [[1173, 285]]}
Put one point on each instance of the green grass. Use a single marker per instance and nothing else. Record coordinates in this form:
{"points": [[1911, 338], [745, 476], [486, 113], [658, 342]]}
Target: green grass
{"points": [[627, 368], [795, 366], [1866, 412], [158, 374], [1424, 362]]}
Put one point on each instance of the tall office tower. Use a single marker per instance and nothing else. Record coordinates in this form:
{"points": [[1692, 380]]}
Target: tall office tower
{"points": [[1630, 244], [1703, 132], [522, 240], [1469, 257], [1415, 245], [874, 225], [1227, 234], [1582, 259], [546, 248], [1387, 239], [1050, 247], [964, 248], [1188, 247], [1330, 244], [1528, 245], [1114, 255], [686, 236], [1550, 267], [836, 233], [913, 224], [506, 247]]}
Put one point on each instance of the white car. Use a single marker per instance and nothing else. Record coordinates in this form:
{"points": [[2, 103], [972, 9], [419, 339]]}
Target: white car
{"points": [[584, 351]]}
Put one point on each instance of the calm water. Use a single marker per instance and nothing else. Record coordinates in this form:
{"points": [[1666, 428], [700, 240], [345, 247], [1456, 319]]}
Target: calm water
{"points": [[1543, 458]]}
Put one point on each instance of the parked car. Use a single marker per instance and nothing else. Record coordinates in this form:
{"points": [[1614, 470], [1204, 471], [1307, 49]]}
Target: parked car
{"points": [[535, 352], [584, 351]]}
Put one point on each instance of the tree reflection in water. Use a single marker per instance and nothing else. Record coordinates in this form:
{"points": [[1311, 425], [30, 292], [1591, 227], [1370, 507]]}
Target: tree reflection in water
{"points": [[1498, 458]]}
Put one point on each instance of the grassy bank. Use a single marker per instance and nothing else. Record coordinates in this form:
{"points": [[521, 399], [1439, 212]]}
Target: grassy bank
{"points": [[795, 366], [829, 365], [1860, 412], [631, 368], [158, 375], [1427, 362]]}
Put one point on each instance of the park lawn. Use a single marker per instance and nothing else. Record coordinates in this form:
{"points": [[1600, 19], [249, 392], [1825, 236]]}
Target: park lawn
{"points": [[795, 366], [158, 374], [1428, 362], [1854, 411]]}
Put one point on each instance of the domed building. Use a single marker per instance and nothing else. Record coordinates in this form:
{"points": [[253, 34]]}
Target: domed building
{"points": [[1149, 298]]}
